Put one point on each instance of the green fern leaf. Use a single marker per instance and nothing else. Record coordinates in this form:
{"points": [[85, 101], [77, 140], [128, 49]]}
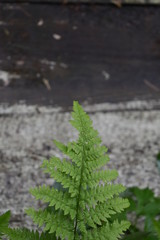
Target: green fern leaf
{"points": [[55, 222], [85, 199], [58, 199], [25, 234], [4, 222], [108, 231]]}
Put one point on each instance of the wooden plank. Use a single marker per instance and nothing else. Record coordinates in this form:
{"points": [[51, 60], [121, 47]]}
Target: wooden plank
{"points": [[52, 54], [116, 2]]}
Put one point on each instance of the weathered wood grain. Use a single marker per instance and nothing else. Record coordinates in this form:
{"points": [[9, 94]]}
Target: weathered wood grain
{"points": [[52, 54], [117, 2]]}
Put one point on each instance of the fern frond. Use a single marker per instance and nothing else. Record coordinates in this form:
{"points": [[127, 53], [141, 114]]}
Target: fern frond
{"points": [[108, 191], [25, 234], [101, 194], [62, 147], [103, 211], [108, 231], [54, 222], [65, 179], [4, 222], [118, 204], [82, 207], [58, 199], [63, 166], [94, 179]]}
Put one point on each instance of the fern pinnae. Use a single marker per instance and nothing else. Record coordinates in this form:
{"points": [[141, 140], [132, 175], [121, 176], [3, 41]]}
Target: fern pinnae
{"points": [[84, 142], [79, 195], [83, 205]]}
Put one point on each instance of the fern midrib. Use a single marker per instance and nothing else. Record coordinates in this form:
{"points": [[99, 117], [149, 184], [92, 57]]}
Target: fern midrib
{"points": [[80, 185], [79, 194]]}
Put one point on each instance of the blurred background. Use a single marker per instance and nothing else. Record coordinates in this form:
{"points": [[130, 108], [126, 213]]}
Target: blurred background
{"points": [[106, 55]]}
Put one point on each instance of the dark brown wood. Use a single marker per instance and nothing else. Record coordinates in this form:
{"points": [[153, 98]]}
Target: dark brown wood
{"points": [[52, 54], [116, 2]]}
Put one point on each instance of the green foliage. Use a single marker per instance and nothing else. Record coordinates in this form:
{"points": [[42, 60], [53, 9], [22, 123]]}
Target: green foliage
{"points": [[4, 222], [83, 203], [158, 161], [84, 199], [158, 156], [20, 234], [25, 234], [144, 204]]}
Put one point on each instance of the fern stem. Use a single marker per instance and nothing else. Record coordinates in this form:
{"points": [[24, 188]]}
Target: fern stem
{"points": [[80, 185], [79, 194]]}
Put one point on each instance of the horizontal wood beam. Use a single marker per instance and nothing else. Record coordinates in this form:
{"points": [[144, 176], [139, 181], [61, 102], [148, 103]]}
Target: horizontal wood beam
{"points": [[52, 54], [116, 2]]}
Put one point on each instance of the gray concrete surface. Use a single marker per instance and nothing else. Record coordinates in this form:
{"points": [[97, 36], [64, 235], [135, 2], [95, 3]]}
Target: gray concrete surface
{"points": [[130, 130]]}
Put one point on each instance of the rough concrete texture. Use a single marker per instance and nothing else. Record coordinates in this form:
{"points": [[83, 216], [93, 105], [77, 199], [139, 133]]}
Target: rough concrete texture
{"points": [[131, 131]]}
